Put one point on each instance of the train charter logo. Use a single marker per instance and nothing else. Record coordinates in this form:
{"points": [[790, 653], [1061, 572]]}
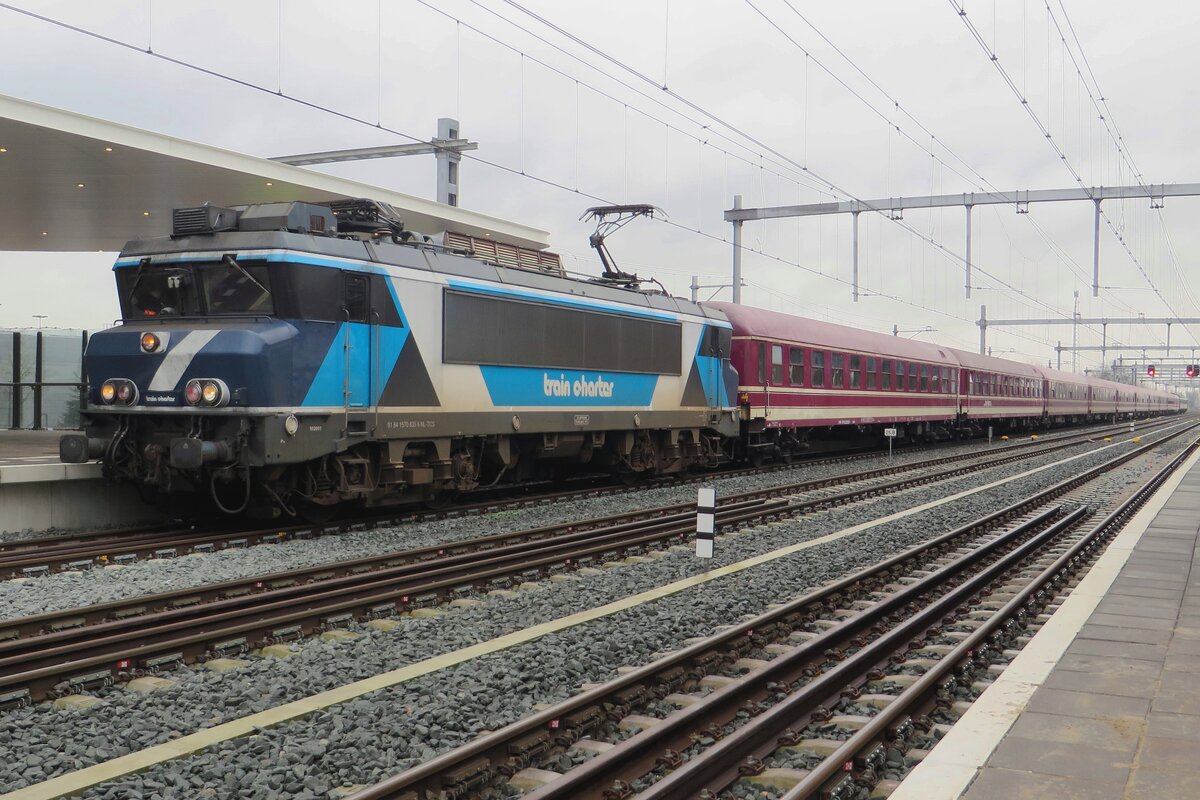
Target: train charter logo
{"points": [[580, 387]]}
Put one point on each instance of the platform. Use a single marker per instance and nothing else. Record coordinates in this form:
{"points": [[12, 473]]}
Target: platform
{"points": [[1104, 702], [28, 447], [38, 492]]}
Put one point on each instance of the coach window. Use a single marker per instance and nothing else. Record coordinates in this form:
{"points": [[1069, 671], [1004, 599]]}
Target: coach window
{"points": [[924, 377], [871, 373], [818, 368], [776, 365], [886, 375], [837, 370], [796, 366], [855, 372], [762, 363], [899, 376], [912, 377]]}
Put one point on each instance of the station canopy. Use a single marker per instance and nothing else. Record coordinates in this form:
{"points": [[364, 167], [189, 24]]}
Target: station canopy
{"points": [[132, 179]]}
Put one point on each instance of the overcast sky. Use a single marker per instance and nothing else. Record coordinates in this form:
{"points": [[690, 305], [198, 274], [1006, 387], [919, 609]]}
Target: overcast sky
{"points": [[781, 127]]}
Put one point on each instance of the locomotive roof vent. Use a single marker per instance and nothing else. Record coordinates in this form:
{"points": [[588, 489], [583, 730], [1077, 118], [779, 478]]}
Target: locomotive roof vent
{"points": [[293, 217], [203, 219], [287, 216]]}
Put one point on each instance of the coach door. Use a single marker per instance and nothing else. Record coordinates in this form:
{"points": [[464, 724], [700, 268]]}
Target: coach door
{"points": [[359, 350]]}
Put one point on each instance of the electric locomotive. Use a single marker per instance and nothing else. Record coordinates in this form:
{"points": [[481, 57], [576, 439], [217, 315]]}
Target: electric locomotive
{"points": [[292, 357]]}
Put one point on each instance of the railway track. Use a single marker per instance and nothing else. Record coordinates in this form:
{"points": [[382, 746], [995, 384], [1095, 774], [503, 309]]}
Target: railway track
{"points": [[44, 555], [37, 556], [819, 697], [87, 648]]}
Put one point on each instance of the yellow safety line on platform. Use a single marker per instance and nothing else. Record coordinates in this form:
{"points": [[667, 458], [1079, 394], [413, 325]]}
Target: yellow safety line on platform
{"points": [[80, 780]]}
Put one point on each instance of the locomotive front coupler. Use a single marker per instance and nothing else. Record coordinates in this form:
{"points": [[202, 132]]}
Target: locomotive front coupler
{"points": [[79, 448], [189, 453]]}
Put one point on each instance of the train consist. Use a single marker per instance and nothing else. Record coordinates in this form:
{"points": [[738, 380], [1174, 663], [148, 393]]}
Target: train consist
{"points": [[807, 384], [293, 357]]}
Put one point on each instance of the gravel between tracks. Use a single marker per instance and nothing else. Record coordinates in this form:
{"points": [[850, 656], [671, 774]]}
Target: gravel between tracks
{"points": [[71, 589], [366, 739]]}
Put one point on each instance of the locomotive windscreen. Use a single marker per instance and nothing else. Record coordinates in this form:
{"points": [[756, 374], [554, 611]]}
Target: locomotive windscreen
{"points": [[489, 330], [194, 289]]}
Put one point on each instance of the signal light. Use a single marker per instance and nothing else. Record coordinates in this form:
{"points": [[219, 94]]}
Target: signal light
{"points": [[1151, 371], [1193, 370]]}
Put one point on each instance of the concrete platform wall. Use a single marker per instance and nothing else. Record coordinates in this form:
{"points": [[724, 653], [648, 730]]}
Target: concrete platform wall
{"points": [[66, 496]]}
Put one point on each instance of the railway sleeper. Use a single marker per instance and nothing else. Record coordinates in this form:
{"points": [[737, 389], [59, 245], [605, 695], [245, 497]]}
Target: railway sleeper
{"points": [[163, 663], [15, 699], [522, 752], [459, 782], [338, 622], [291, 633], [427, 600], [228, 648], [88, 681]]}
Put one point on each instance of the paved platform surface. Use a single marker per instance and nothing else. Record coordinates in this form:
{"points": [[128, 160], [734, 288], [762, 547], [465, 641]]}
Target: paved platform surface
{"points": [[1119, 715], [18, 448]]}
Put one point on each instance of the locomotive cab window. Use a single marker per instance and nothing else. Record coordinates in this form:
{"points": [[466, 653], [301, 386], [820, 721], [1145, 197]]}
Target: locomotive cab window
{"points": [[211, 287], [762, 363]]}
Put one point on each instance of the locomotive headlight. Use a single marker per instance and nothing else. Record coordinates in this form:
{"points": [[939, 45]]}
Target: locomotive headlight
{"points": [[291, 425], [126, 394], [192, 393], [206, 392], [150, 342], [210, 393], [121, 391]]}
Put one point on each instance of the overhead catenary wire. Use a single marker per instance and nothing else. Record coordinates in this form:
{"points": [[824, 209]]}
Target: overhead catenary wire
{"points": [[960, 10], [641, 76], [350, 117], [979, 181]]}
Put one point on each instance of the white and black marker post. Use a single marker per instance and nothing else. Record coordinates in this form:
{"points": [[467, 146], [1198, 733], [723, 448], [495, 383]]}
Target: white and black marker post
{"points": [[706, 522]]}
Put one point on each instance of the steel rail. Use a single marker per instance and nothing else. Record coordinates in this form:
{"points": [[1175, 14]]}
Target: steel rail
{"points": [[94, 660], [723, 762], [149, 604], [558, 721], [577, 548], [43, 555], [978, 642]]}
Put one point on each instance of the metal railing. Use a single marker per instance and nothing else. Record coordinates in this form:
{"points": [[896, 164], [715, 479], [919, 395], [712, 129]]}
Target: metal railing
{"points": [[37, 385]]}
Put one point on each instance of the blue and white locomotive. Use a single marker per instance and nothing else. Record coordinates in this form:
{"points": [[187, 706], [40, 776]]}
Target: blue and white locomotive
{"points": [[293, 357]]}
